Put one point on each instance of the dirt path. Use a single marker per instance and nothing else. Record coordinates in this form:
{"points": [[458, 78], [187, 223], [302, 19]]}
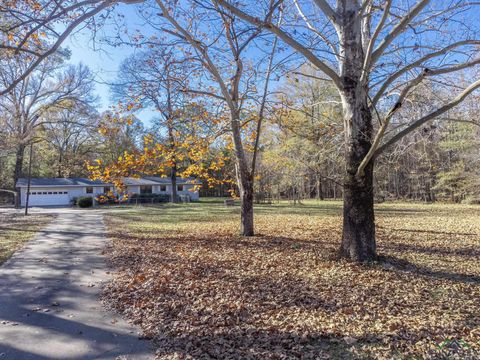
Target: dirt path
{"points": [[49, 307]]}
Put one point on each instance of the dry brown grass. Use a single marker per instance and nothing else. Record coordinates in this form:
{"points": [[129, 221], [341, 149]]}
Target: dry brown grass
{"points": [[200, 291]]}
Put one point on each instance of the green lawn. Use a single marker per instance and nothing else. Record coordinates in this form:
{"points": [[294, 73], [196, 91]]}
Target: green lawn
{"points": [[199, 289], [16, 229]]}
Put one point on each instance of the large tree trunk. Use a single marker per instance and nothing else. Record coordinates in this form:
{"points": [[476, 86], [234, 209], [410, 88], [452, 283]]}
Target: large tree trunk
{"points": [[18, 171], [173, 177], [244, 180], [19, 155], [60, 165], [319, 188], [246, 198], [358, 240]]}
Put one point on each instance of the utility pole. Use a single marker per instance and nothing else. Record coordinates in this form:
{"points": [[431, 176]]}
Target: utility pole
{"points": [[29, 179]]}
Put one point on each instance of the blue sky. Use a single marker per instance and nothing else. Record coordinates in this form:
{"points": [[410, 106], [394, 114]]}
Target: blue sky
{"points": [[105, 60]]}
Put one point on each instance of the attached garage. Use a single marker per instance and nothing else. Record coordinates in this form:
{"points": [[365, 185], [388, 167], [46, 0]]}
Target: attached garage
{"points": [[57, 191], [48, 197], [62, 191]]}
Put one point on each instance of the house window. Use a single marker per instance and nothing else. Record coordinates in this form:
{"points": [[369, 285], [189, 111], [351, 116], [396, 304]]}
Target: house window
{"points": [[44, 193], [54, 193], [49, 193], [163, 188], [145, 189], [179, 187], [106, 189], [89, 190]]}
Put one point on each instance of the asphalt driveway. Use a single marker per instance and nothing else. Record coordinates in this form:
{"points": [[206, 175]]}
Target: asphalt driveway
{"points": [[49, 297]]}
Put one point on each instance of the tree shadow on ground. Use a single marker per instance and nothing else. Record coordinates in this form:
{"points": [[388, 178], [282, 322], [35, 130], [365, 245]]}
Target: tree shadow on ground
{"points": [[428, 231], [49, 297], [45, 232], [468, 252], [30, 315], [403, 265]]}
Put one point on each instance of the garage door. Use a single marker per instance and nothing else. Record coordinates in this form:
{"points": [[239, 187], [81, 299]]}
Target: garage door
{"points": [[46, 198]]}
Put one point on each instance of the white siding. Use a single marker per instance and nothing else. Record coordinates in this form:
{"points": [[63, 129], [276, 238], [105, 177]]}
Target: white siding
{"points": [[96, 190], [63, 196], [133, 189], [156, 189], [188, 190], [46, 196], [76, 192], [50, 198]]}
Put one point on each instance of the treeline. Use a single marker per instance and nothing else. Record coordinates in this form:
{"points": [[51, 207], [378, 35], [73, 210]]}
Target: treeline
{"points": [[301, 155], [302, 152], [303, 145], [53, 111]]}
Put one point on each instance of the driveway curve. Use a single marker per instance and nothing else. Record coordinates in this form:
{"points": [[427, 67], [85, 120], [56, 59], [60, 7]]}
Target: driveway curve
{"points": [[49, 297]]}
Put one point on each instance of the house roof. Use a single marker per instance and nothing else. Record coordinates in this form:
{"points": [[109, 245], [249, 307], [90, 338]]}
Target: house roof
{"points": [[147, 180], [138, 181], [166, 180], [23, 182]]}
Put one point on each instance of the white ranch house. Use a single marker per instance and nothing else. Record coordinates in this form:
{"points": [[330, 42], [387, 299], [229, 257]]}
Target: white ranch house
{"points": [[61, 191]]}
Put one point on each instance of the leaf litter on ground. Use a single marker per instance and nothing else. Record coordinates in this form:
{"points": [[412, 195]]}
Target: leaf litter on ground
{"points": [[202, 292]]}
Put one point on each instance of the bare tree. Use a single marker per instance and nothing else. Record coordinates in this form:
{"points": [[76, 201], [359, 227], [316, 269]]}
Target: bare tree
{"points": [[222, 47], [72, 133], [375, 53], [158, 78], [32, 31], [26, 108]]}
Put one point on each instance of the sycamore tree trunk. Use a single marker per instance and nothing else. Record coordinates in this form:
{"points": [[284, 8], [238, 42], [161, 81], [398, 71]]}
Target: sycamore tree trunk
{"points": [[60, 165], [246, 198], [19, 156], [319, 188], [244, 180], [358, 238]]}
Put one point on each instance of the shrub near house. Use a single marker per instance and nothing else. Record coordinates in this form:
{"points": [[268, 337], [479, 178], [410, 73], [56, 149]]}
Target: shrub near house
{"points": [[85, 202]]}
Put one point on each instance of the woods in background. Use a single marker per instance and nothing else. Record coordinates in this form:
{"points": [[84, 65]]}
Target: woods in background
{"points": [[303, 146], [300, 156]]}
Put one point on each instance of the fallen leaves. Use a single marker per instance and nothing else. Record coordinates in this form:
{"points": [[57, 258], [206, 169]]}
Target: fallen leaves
{"points": [[200, 291]]}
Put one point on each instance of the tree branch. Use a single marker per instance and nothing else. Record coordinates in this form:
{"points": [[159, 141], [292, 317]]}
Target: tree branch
{"points": [[286, 38], [418, 63], [474, 86], [386, 122], [398, 29], [56, 46], [371, 44], [327, 10]]}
